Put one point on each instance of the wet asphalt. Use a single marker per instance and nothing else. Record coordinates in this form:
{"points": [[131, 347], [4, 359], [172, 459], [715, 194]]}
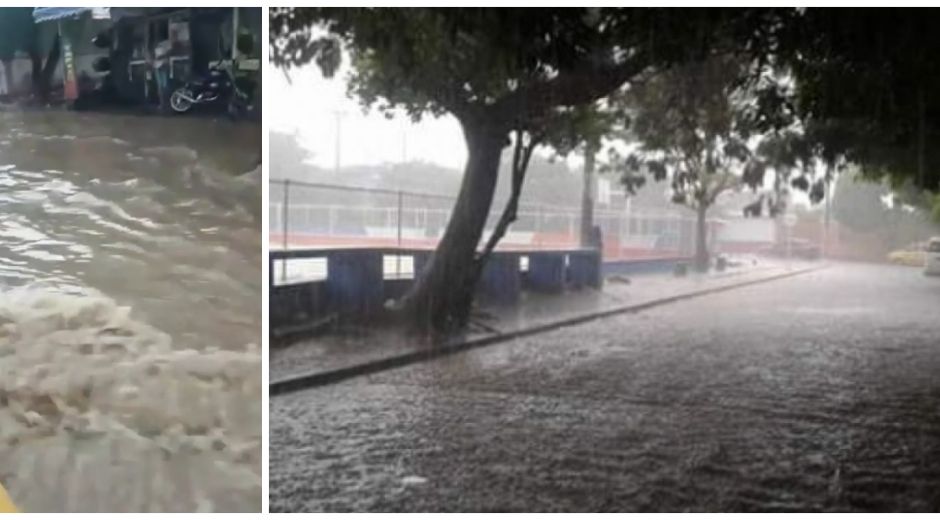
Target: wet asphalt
{"points": [[815, 393]]}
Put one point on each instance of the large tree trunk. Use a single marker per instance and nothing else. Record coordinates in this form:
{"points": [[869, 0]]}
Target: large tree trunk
{"points": [[440, 300], [701, 239]]}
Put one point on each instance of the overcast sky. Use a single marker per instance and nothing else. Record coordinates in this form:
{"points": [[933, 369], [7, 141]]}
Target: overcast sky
{"points": [[308, 104]]}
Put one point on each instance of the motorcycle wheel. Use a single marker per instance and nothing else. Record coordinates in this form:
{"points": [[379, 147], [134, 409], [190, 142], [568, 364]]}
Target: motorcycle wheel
{"points": [[178, 101], [236, 105], [233, 111]]}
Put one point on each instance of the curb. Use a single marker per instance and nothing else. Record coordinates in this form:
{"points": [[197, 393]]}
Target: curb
{"points": [[316, 379]]}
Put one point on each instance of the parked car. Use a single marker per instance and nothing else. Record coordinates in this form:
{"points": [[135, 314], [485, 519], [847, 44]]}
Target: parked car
{"points": [[914, 255], [932, 257]]}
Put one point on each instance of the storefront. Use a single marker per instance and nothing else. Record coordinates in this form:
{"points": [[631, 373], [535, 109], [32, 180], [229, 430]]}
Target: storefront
{"points": [[128, 36], [201, 38], [74, 28]]}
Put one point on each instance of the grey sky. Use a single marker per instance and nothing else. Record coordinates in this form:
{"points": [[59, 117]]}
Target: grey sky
{"points": [[308, 104]]}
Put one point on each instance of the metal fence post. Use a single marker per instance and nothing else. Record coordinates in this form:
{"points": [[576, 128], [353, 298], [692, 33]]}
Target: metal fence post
{"points": [[538, 224], [331, 220], [284, 218], [571, 235], [398, 256]]}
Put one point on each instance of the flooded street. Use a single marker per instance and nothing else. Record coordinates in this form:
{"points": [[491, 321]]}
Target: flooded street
{"points": [[815, 393], [130, 271]]}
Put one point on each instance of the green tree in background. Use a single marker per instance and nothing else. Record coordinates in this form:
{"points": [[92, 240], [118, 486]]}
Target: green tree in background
{"points": [[867, 87], [878, 211], [859, 205], [693, 122]]}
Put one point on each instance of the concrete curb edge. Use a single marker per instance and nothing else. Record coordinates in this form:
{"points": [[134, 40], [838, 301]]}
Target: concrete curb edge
{"points": [[316, 379]]}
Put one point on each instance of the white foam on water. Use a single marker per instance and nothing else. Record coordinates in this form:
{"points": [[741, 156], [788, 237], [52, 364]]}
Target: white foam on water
{"points": [[252, 177], [102, 412], [179, 152], [105, 407]]}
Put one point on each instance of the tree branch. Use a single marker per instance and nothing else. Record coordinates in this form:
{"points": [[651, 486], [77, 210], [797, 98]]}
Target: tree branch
{"points": [[724, 182], [570, 88], [522, 152]]}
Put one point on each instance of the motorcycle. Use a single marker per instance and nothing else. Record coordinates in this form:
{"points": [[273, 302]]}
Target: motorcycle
{"points": [[219, 85]]}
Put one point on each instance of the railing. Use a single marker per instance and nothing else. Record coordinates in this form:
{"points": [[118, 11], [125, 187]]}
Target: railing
{"points": [[306, 215]]}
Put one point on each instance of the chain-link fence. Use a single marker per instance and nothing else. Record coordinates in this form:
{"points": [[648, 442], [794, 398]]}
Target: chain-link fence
{"points": [[307, 215]]}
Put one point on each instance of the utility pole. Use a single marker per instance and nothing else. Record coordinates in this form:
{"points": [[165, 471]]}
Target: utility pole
{"points": [[338, 114], [234, 36], [828, 195], [404, 141]]}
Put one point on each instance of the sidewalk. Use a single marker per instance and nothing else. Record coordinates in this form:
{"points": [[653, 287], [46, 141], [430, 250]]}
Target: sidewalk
{"points": [[335, 358]]}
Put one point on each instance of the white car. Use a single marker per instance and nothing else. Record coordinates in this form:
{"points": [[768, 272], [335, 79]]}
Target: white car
{"points": [[932, 262]]}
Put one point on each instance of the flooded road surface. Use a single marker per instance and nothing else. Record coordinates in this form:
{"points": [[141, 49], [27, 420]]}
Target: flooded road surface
{"points": [[130, 293], [815, 393]]}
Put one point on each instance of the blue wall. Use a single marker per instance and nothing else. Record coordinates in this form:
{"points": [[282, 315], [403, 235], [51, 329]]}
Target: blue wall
{"points": [[356, 288]]}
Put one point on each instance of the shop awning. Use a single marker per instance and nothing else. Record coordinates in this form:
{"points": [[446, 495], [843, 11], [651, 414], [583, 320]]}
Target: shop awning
{"points": [[128, 12], [47, 14]]}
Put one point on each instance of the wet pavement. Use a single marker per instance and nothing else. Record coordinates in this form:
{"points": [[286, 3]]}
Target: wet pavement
{"points": [[130, 282], [356, 346], [813, 393]]}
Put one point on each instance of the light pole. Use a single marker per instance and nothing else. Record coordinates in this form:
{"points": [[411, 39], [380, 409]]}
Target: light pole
{"points": [[339, 115], [828, 211]]}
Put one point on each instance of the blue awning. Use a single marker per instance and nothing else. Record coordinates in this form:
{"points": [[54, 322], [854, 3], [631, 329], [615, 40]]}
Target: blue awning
{"points": [[47, 14]]}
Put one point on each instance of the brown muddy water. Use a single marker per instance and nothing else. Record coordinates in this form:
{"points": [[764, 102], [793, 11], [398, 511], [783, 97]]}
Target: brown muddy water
{"points": [[130, 316]]}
